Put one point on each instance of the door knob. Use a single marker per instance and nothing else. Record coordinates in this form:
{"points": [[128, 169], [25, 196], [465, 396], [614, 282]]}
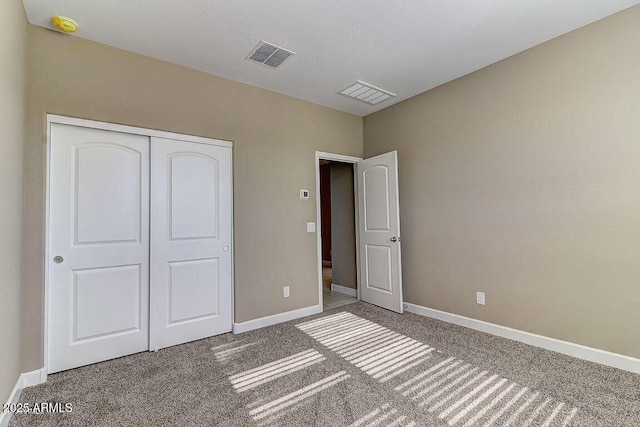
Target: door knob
{"points": [[225, 248], [58, 259], [393, 239]]}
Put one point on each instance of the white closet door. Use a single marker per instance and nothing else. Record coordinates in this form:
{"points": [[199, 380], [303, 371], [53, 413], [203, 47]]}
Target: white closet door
{"points": [[98, 246], [191, 232]]}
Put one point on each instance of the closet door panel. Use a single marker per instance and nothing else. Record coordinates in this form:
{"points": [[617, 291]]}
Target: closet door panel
{"points": [[191, 231], [98, 246], [194, 181]]}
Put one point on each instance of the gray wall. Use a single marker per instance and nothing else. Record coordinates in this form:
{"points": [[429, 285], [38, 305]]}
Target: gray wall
{"points": [[80, 78], [523, 180], [343, 233], [13, 47]]}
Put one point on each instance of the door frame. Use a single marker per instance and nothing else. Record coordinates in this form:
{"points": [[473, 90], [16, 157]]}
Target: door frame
{"points": [[93, 124], [320, 155]]}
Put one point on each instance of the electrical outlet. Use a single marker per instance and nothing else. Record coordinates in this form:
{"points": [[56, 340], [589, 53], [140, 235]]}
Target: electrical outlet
{"points": [[285, 291], [480, 298]]}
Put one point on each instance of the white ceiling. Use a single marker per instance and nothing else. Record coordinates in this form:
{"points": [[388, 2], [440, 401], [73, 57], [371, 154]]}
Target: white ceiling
{"points": [[403, 46]]}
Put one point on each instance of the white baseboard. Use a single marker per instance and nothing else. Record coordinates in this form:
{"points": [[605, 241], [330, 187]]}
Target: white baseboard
{"points": [[27, 379], [352, 292], [579, 351], [32, 378], [250, 325], [13, 398]]}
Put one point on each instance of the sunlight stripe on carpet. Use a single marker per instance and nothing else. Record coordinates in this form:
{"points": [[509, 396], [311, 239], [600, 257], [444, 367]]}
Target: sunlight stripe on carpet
{"points": [[252, 378], [226, 354], [381, 414], [456, 391], [372, 348], [290, 399]]}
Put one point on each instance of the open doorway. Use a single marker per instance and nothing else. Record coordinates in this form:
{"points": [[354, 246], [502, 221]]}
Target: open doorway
{"points": [[338, 245], [376, 226]]}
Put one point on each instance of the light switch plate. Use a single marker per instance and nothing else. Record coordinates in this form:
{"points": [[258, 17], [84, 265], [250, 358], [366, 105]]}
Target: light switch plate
{"points": [[304, 194], [311, 227]]}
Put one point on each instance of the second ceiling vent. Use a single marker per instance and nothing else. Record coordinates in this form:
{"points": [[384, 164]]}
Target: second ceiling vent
{"points": [[367, 93], [269, 54]]}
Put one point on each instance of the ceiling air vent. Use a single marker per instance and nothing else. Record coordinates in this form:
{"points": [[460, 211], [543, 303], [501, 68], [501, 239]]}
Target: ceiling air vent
{"points": [[269, 54], [364, 92]]}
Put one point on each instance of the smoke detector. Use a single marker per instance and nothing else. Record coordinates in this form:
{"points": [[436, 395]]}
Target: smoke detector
{"points": [[269, 54], [367, 93], [64, 24]]}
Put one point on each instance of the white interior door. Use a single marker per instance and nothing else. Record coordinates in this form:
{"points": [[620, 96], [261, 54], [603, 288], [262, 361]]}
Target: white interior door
{"points": [[98, 246], [379, 227], [191, 236]]}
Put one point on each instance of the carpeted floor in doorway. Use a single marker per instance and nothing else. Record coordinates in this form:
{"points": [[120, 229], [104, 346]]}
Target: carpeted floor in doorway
{"points": [[355, 365]]}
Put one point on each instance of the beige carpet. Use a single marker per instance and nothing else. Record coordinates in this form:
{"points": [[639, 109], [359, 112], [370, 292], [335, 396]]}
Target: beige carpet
{"points": [[356, 365]]}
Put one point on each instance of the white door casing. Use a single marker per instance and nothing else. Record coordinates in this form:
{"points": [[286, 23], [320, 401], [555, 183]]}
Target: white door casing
{"points": [[99, 226], [379, 231], [191, 238]]}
